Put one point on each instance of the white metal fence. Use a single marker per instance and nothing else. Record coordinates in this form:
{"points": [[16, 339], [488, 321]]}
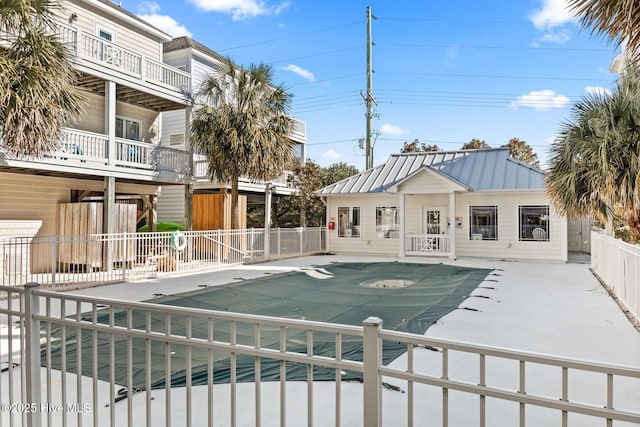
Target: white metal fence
{"points": [[63, 262], [505, 389], [618, 264]]}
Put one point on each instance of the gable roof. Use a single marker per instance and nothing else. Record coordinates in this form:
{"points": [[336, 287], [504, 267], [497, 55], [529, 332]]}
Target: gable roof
{"points": [[475, 170]]}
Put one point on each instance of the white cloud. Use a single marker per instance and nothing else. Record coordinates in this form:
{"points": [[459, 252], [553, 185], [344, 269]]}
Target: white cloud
{"points": [[551, 139], [149, 11], [552, 14], [389, 129], [597, 90], [554, 37], [240, 9], [330, 154], [541, 100], [305, 74]]}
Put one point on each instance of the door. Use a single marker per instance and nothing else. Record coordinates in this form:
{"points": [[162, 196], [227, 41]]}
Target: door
{"points": [[579, 235], [433, 220]]}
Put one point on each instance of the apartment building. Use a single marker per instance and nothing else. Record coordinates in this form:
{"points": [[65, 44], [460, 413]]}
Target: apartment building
{"points": [[113, 154], [211, 207]]}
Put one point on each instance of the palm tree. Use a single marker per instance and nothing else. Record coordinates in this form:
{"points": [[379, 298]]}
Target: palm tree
{"points": [[617, 20], [240, 124], [595, 163], [37, 94]]}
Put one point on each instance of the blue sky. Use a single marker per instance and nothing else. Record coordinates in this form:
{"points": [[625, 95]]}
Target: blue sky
{"points": [[445, 72]]}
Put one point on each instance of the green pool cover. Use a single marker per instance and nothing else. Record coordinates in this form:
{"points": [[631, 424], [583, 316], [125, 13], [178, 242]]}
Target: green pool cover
{"points": [[407, 297]]}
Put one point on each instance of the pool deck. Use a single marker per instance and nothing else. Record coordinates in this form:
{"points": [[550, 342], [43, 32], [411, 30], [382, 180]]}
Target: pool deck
{"points": [[550, 308]]}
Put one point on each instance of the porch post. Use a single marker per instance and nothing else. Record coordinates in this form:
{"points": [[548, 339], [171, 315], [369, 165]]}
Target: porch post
{"points": [[452, 225], [108, 220], [267, 221], [402, 227], [110, 120], [188, 189]]}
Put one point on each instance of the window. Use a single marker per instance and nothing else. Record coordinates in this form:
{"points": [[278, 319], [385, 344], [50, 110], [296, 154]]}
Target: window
{"points": [[387, 225], [348, 222], [128, 129], [106, 35], [534, 223], [176, 139], [483, 221]]}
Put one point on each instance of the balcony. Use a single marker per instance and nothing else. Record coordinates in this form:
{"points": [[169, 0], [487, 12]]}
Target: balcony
{"points": [[89, 153], [98, 57], [280, 185]]}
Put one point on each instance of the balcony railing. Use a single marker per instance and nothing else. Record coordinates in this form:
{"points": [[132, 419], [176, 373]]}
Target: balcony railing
{"points": [[106, 53], [91, 151], [200, 174]]}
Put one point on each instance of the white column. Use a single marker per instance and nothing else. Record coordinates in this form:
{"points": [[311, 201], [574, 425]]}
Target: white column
{"points": [[402, 227], [267, 221], [188, 189], [452, 225], [110, 119]]}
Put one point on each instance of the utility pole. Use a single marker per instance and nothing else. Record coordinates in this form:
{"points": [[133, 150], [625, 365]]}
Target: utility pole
{"points": [[369, 99]]}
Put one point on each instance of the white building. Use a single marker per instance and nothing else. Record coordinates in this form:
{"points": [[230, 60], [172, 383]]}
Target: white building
{"points": [[459, 203], [114, 153]]}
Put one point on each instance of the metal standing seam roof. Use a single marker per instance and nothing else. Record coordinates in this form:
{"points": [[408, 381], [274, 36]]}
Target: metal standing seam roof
{"points": [[478, 170]]}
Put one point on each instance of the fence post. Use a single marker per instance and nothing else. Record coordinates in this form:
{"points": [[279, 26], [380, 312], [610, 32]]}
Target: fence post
{"points": [[54, 264], [279, 244], [125, 261], [301, 235], [32, 342], [372, 359]]}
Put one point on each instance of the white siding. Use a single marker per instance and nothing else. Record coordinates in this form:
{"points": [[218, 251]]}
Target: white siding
{"points": [[172, 122], [171, 204], [507, 246], [428, 181], [367, 243], [93, 119]]}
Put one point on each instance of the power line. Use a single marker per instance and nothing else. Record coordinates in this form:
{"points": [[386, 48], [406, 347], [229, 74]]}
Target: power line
{"points": [[486, 76], [457, 46], [295, 36]]}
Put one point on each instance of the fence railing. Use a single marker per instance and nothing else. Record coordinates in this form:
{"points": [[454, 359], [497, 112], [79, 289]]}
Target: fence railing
{"points": [[618, 264], [151, 364], [72, 261], [427, 244]]}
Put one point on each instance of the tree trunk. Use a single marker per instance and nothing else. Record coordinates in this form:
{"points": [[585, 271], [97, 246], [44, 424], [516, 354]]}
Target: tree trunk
{"points": [[235, 211]]}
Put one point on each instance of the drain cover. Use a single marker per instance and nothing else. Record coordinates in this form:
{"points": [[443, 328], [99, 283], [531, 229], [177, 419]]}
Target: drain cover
{"points": [[389, 283]]}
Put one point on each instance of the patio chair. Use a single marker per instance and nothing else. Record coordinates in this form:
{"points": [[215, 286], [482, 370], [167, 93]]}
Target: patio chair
{"points": [[539, 234]]}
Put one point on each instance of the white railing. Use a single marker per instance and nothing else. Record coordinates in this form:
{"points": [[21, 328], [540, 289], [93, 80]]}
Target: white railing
{"points": [[618, 265], [176, 347], [89, 149], [200, 166], [67, 262], [83, 145], [104, 52], [427, 244], [299, 130]]}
